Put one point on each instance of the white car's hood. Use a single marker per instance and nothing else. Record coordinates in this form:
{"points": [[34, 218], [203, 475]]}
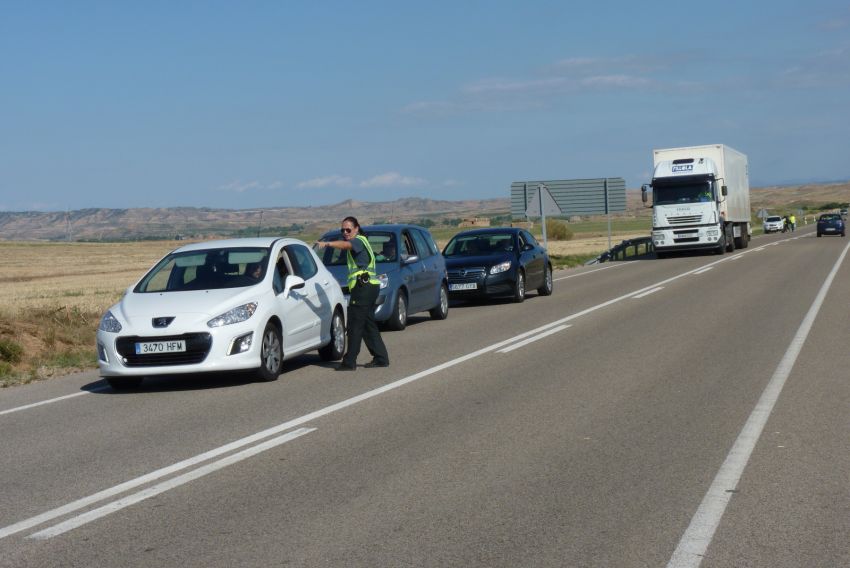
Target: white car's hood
{"points": [[188, 308]]}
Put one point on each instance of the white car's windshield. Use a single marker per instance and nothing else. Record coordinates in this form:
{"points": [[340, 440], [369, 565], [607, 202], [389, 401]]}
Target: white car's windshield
{"points": [[207, 270], [773, 219]]}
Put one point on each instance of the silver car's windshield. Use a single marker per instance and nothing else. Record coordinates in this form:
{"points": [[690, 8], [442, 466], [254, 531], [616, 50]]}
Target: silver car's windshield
{"points": [[383, 244], [207, 270]]}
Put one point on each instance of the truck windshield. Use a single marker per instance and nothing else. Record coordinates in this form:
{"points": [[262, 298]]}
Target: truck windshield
{"points": [[694, 192]]}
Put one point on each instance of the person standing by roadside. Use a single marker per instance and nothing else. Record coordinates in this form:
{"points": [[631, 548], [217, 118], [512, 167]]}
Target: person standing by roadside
{"points": [[792, 220], [363, 287]]}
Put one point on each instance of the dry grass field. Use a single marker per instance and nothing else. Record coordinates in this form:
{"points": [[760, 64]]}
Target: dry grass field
{"points": [[52, 296]]}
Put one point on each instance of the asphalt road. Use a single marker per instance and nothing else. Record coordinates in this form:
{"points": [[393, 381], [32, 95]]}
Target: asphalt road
{"points": [[690, 411]]}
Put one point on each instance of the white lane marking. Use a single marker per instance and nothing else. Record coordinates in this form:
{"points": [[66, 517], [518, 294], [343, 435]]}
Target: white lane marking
{"points": [[648, 292], [704, 270], [759, 249], [162, 472], [129, 500], [533, 339], [591, 271], [154, 475], [50, 401], [694, 543]]}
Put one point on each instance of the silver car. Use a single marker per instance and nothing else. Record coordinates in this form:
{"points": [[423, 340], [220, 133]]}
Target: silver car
{"points": [[773, 224]]}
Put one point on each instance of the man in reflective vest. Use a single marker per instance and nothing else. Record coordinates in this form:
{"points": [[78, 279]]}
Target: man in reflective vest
{"points": [[363, 287]]}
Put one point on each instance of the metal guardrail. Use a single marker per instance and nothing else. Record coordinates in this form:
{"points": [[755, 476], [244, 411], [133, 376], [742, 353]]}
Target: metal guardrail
{"points": [[622, 250]]}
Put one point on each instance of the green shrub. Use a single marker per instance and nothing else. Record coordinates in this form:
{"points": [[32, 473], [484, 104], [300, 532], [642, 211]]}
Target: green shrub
{"points": [[11, 351], [558, 230]]}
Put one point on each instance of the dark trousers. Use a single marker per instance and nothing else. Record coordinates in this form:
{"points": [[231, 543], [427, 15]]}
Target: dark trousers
{"points": [[361, 325]]}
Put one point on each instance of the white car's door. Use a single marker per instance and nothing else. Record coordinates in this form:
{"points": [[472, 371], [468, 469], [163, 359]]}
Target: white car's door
{"points": [[296, 317], [313, 309]]}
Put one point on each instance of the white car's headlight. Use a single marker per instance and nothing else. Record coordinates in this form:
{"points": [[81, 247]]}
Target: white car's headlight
{"points": [[384, 280], [501, 267], [235, 315], [109, 323]]}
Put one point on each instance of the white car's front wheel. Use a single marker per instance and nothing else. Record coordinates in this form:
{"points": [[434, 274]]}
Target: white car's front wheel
{"points": [[271, 354], [335, 349]]}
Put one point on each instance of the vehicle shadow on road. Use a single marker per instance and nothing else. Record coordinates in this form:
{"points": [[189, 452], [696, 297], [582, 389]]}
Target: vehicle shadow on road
{"points": [[204, 381]]}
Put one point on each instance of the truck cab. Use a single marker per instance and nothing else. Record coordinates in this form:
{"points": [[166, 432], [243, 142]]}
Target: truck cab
{"points": [[691, 205]]}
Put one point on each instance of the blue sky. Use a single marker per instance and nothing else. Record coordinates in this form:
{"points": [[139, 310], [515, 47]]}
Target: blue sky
{"points": [[273, 104]]}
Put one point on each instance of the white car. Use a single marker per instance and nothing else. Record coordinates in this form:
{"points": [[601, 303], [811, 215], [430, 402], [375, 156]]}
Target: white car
{"points": [[240, 304], [774, 223]]}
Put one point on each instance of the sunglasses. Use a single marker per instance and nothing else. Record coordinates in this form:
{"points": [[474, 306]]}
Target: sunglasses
{"points": [[344, 230]]}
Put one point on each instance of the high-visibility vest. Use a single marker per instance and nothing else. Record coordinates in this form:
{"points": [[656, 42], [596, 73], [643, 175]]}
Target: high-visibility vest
{"points": [[354, 271]]}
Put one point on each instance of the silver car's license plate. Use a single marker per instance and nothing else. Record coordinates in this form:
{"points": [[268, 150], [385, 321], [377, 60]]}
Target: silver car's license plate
{"points": [[151, 347], [467, 286]]}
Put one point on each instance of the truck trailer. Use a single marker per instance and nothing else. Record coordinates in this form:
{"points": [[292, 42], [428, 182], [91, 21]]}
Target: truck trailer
{"points": [[700, 199]]}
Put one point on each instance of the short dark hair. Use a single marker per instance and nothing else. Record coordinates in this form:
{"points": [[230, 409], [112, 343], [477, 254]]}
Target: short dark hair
{"points": [[353, 221]]}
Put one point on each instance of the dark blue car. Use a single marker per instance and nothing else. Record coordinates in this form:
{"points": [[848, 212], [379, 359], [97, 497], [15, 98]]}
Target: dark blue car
{"points": [[831, 224], [409, 265], [486, 263]]}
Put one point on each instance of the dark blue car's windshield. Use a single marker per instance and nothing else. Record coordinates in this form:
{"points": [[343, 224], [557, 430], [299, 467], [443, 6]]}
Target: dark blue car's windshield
{"points": [[477, 245]]}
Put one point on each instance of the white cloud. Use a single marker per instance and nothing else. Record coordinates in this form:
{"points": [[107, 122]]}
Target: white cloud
{"points": [[515, 86], [254, 185], [326, 181], [617, 81], [391, 179], [570, 76]]}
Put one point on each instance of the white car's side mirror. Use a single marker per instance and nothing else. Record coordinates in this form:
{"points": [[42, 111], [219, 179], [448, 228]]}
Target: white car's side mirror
{"points": [[293, 283]]}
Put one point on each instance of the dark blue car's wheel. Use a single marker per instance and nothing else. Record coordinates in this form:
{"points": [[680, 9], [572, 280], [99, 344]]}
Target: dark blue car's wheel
{"points": [[546, 289], [519, 287]]}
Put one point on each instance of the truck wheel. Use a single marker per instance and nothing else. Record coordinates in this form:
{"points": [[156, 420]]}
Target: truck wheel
{"points": [[730, 242], [721, 248]]}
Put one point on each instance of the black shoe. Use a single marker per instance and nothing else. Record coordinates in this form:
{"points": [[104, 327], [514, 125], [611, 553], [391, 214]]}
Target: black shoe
{"points": [[374, 363], [344, 367]]}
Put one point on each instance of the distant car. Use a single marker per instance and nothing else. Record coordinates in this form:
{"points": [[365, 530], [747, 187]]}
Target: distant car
{"points": [[410, 268], [772, 224], [831, 224], [486, 263], [843, 213], [240, 304]]}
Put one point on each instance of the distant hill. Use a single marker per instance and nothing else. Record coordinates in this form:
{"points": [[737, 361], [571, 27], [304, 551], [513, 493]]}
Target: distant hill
{"points": [[192, 222], [142, 223]]}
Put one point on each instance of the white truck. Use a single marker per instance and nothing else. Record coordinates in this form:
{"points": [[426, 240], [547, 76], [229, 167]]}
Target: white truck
{"points": [[700, 199]]}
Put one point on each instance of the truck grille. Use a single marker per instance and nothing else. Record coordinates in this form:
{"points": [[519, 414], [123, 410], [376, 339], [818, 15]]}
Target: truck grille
{"points": [[197, 347], [684, 220]]}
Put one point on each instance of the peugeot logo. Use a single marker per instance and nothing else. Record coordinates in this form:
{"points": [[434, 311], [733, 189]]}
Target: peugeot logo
{"points": [[162, 322], [463, 272]]}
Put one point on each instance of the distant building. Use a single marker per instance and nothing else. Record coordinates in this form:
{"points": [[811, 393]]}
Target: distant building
{"points": [[475, 222]]}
